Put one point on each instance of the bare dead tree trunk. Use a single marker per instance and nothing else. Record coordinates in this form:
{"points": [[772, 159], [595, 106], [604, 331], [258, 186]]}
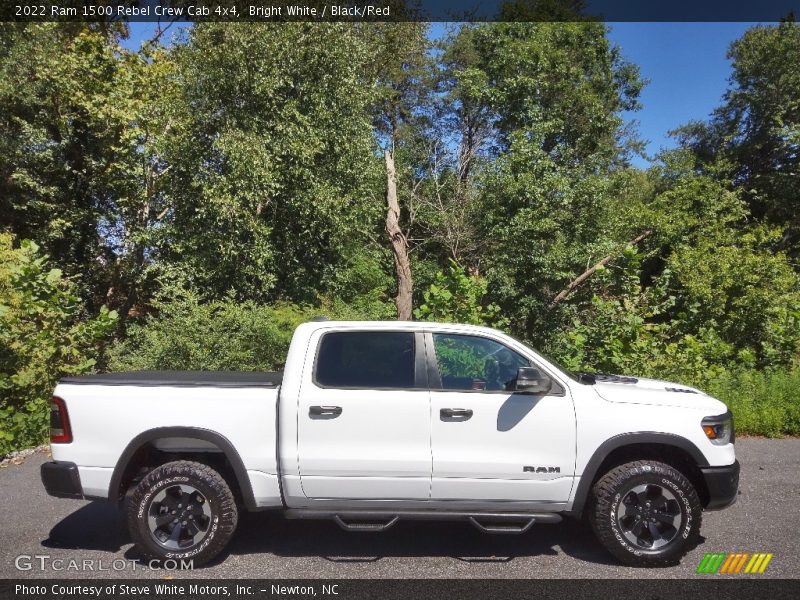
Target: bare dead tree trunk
{"points": [[588, 272], [402, 264]]}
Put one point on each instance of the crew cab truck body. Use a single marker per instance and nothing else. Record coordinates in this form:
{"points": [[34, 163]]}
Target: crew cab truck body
{"points": [[377, 421]]}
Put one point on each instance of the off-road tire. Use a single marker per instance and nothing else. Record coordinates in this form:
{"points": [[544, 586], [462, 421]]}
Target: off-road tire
{"points": [[609, 492], [222, 512]]}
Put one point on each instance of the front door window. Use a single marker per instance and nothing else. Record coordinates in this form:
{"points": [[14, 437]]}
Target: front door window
{"points": [[476, 363]]}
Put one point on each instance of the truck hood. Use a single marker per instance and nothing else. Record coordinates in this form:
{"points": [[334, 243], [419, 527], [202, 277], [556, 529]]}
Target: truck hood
{"points": [[633, 390]]}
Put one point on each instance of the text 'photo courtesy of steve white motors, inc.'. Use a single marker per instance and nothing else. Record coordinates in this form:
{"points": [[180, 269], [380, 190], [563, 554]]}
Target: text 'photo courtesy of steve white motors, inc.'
{"points": [[170, 589]]}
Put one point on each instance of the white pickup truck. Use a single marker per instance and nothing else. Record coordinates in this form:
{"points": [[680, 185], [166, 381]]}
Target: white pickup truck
{"points": [[372, 422]]}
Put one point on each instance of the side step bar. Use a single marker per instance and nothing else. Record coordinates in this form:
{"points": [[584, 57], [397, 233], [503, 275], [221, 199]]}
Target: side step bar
{"points": [[364, 525], [507, 527], [381, 520]]}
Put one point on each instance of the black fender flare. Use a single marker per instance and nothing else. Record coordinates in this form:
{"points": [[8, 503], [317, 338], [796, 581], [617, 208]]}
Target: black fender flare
{"points": [[199, 433], [629, 439]]}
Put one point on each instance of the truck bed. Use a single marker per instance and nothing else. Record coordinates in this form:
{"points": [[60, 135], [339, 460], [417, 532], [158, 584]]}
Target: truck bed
{"points": [[188, 410], [225, 379]]}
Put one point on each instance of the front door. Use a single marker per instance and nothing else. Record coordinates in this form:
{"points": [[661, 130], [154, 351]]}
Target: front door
{"points": [[364, 418], [488, 442]]}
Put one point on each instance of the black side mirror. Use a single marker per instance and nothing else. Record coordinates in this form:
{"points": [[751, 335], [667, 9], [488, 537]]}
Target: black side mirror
{"points": [[532, 381]]}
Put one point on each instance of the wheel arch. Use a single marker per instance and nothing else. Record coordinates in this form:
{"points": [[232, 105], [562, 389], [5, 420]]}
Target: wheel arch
{"points": [[666, 447], [123, 472]]}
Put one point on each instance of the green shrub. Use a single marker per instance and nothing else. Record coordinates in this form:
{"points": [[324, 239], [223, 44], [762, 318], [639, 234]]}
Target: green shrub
{"points": [[763, 402], [456, 297], [626, 329], [187, 333], [43, 336], [220, 335]]}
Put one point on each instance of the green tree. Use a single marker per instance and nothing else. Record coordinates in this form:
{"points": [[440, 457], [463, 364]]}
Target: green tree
{"points": [[562, 85], [752, 139], [68, 149], [546, 98], [725, 272], [272, 184], [703, 293]]}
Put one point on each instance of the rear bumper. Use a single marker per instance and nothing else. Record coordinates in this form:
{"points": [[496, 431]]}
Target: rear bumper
{"points": [[722, 484], [61, 479]]}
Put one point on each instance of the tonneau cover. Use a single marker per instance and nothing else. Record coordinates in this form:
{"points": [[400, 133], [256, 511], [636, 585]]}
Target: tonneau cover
{"points": [[181, 378]]}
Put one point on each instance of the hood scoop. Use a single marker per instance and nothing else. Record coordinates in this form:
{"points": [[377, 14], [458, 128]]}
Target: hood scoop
{"points": [[606, 378], [680, 390]]}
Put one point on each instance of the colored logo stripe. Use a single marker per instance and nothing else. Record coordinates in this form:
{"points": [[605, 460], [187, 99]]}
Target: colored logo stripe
{"points": [[711, 562], [722, 562], [758, 564], [734, 563], [727, 564]]}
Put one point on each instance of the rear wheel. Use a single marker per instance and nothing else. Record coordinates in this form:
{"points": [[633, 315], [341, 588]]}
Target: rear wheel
{"points": [[182, 511], [646, 513]]}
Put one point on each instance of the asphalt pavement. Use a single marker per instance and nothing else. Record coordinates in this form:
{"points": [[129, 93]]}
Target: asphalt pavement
{"points": [[89, 539]]}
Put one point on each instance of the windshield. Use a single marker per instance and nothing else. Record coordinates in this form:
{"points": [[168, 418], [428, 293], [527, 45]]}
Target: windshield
{"points": [[571, 374]]}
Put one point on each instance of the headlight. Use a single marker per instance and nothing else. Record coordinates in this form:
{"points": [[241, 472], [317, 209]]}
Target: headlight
{"points": [[719, 429]]}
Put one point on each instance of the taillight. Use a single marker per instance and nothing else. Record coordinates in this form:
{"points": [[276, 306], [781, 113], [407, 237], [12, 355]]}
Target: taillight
{"points": [[60, 432]]}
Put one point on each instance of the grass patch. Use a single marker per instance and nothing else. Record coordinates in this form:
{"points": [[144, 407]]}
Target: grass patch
{"points": [[763, 402]]}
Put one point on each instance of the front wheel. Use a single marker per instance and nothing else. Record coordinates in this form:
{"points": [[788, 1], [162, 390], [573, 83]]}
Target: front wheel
{"points": [[182, 511], [646, 513]]}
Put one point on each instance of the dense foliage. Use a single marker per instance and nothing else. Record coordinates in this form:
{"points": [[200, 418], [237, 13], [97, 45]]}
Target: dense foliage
{"points": [[187, 332], [763, 402], [44, 334], [456, 297], [218, 188]]}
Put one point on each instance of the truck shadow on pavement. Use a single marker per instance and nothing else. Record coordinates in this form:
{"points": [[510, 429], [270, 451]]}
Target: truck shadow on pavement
{"points": [[100, 526], [260, 532], [95, 526]]}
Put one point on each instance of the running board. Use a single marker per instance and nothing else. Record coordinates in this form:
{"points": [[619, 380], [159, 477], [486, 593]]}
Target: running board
{"points": [[503, 526], [381, 520], [364, 525]]}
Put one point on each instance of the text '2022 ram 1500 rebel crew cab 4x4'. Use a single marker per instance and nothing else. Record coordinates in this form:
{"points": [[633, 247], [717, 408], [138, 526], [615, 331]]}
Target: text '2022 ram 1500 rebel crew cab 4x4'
{"points": [[372, 422]]}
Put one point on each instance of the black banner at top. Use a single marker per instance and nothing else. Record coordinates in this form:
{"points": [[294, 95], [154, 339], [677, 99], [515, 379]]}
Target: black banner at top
{"points": [[398, 10]]}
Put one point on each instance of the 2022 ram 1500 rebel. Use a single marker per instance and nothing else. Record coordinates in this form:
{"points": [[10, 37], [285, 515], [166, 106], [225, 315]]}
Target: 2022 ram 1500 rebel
{"points": [[372, 422]]}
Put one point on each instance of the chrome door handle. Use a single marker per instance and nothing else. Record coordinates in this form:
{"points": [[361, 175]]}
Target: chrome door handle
{"points": [[460, 414], [324, 411]]}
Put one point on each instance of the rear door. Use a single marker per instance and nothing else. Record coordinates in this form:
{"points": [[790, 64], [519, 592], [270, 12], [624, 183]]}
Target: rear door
{"points": [[489, 442], [364, 417]]}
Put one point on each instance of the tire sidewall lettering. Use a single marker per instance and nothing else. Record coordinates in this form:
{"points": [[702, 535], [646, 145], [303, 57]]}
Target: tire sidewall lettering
{"points": [[615, 526], [687, 507]]}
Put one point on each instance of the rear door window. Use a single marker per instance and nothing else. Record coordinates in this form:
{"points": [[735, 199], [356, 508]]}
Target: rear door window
{"points": [[366, 359]]}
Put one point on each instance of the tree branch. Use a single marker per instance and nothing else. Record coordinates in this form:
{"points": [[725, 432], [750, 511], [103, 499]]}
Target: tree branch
{"points": [[588, 272]]}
